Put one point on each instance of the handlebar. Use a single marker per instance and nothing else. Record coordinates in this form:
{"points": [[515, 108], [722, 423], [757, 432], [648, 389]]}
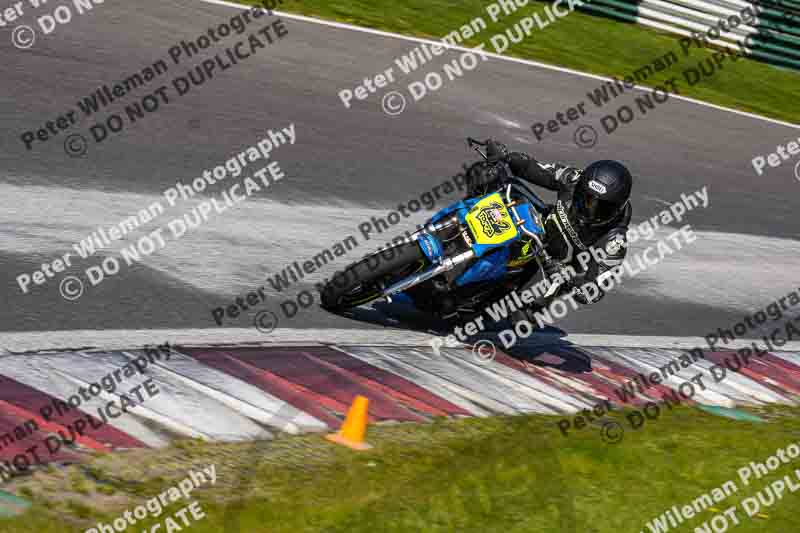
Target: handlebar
{"points": [[506, 175], [492, 148], [474, 144]]}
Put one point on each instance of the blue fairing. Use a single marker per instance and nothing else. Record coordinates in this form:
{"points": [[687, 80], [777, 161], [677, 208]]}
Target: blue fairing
{"points": [[524, 211], [461, 208], [487, 268], [492, 258]]}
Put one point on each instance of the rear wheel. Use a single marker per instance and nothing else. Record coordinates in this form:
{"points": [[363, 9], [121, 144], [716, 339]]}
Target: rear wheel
{"points": [[365, 280]]}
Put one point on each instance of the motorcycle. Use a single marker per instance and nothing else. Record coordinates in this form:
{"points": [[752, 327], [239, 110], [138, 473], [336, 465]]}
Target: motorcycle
{"points": [[464, 255]]}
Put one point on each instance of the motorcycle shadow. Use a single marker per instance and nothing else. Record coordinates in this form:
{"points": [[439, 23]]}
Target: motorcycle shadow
{"points": [[549, 349], [545, 348]]}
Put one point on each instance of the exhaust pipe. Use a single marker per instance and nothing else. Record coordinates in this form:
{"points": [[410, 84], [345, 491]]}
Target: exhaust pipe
{"points": [[444, 266]]}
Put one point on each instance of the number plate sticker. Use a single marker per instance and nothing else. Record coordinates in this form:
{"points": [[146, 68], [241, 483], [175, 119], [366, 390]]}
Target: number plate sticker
{"points": [[490, 221]]}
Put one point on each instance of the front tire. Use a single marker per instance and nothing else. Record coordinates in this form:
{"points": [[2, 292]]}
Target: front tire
{"points": [[364, 281]]}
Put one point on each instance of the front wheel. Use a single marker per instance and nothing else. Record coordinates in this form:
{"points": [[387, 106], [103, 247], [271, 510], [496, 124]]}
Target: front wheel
{"points": [[365, 280]]}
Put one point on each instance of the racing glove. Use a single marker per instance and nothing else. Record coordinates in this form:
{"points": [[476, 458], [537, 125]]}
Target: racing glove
{"points": [[496, 151], [481, 177]]}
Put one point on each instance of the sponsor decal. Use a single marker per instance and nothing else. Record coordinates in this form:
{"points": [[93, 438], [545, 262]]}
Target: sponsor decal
{"points": [[492, 219], [597, 187], [430, 247], [562, 217], [525, 255]]}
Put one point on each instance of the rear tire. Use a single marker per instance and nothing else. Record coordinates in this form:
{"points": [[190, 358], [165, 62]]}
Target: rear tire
{"points": [[365, 280]]}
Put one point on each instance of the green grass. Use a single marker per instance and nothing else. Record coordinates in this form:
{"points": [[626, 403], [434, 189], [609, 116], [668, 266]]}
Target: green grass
{"points": [[579, 41], [503, 474]]}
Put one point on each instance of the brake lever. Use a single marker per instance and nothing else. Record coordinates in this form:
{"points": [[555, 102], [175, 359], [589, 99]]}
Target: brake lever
{"points": [[474, 144]]}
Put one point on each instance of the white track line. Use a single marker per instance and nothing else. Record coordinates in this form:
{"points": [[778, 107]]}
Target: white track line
{"points": [[133, 339], [528, 62]]}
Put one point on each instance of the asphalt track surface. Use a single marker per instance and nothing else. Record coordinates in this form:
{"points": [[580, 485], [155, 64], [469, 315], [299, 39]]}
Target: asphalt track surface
{"points": [[346, 166]]}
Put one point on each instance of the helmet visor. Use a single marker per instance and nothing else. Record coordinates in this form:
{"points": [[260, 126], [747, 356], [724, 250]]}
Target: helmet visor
{"points": [[591, 210]]}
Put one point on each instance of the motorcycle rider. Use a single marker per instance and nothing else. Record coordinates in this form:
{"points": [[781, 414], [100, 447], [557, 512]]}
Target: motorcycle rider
{"points": [[592, 210]]}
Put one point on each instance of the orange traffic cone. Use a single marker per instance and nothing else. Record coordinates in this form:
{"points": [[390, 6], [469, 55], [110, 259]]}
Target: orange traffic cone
{"points": [[352, 431]]}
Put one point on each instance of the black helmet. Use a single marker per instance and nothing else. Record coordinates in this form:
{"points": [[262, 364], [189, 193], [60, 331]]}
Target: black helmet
{"points": [[601, 193]]}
